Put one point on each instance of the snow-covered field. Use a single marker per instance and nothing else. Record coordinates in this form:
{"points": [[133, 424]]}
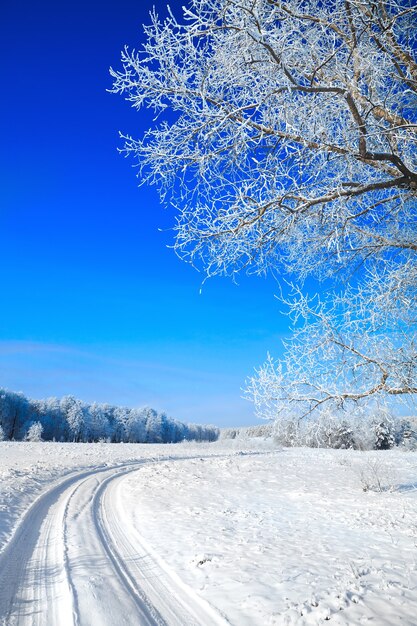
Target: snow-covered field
{"points": [[232, 532]]}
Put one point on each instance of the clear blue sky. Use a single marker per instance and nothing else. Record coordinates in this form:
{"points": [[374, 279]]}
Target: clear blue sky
{"points": [[92, 301]]}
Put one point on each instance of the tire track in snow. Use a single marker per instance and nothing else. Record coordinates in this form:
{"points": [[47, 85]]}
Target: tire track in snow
{"points": [[34, 586], [178, 604], [72, 562], [105, 595], [75, 610], [150, 615]]}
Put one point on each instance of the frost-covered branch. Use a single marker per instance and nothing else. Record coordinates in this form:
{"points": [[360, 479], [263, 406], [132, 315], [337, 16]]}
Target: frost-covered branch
{"points": [[342, 351], [286, 137], [285, 121]]}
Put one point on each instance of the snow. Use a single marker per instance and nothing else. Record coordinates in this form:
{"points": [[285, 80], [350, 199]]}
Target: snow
{"points": [[231, 532]]}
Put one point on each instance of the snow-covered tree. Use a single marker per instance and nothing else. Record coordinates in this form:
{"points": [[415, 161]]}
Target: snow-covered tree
{"points": [[14, 408], [137, 428], [53, 420], [34, 432], [121, 424], [97, 426], [384, 436], [290, 144], [74, 415], [406, 434], [153, 425]]}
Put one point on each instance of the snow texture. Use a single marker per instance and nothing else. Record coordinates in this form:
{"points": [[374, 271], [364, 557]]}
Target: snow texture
{"points": [[232, 532]]}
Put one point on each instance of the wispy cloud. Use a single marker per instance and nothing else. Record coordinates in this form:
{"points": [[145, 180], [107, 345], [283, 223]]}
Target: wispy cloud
{"points": [[120, 376]]}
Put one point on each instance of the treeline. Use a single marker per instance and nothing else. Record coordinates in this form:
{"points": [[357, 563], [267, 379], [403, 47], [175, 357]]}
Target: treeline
{"points": [[69, 419], [374, 431], [245, 432], [377, 430]]}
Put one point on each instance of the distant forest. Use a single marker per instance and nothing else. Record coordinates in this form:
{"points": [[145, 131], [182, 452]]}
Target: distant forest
{"points": [[69, 419]]}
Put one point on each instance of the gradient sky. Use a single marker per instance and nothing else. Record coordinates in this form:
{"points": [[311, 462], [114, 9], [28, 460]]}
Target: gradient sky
{"points": [[92, 301]]}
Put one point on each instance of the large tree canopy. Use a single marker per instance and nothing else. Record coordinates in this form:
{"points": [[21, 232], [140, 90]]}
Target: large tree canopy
{"points": [[290, 142]]}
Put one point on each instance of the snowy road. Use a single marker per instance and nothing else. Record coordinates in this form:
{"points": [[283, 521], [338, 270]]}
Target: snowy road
{"points": [[234, 532], [75, 561]]}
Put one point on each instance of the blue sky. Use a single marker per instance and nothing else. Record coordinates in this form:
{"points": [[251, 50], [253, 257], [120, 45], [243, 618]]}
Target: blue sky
{"points": [[92, 301]]}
